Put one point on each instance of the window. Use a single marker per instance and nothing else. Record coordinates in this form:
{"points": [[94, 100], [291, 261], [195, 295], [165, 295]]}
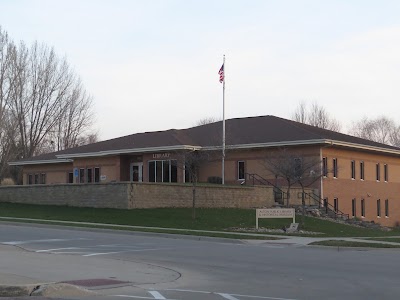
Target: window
{"points": [[336, 204], [30, 179], [324, 167], [297, 167], [335, 168], [36, 178], [163, 171], [362, 208], [387, 208], [43, 178], [378, 208], [240, 171], [81, 175], [385, 172], [70, 177], [361, 170], [96, 174], [353, 207], [353, 169], [89, 175], [378, 172]]}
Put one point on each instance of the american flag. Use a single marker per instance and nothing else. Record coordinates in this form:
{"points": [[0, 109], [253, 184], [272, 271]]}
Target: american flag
{"points": [[221, 74]]}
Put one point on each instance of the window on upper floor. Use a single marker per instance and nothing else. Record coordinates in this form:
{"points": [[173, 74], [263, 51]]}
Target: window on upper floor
{"points": [[353, 169], [335, 168], [386, 172], [324, 167], [378, 172], [362, 171]]}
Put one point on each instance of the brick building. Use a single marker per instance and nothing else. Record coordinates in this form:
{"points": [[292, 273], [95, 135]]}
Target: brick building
{"points": [[356, 176]]}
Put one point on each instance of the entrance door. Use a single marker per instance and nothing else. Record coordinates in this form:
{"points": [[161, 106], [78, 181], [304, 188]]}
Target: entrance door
{"points": [[137, 172]]}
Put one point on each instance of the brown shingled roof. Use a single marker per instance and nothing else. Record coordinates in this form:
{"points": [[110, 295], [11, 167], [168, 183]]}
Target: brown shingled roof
{"points": [[239, 131]]}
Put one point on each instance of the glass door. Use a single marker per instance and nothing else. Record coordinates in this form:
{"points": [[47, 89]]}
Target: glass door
{"points": [[137, 172]]}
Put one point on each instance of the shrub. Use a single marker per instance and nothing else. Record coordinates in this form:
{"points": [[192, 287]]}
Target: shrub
{"points": [[8, 181]]}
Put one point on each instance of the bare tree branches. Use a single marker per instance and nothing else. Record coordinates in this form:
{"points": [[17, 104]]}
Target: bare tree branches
{"points": [[315, 116], [42, 101], [382, 130], [294, 168]]}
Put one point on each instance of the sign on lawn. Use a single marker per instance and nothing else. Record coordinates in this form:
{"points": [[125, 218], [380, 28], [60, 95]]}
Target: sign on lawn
{"points": [[266, 213]]}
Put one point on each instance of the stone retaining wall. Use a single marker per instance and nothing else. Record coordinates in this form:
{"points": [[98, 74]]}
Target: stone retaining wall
{"points": [[127, 195]]}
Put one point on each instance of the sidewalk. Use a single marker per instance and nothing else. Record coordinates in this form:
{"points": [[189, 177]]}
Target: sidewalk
{"points": [[281, 239]]}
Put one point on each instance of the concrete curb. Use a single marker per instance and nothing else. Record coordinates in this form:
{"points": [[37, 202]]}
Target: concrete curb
{"points": [[44, 290], [16, 290]]}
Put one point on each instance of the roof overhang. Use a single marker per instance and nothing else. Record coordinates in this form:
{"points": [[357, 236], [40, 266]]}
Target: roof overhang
{"points": [[129, 151], [67, 158], [363, 147], [39, 162], [268, 145]]}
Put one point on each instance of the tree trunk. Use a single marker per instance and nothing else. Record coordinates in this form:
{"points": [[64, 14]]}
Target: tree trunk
{"points": [[194, 201]]}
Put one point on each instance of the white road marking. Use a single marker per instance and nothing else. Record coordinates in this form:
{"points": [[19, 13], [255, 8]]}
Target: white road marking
{"points": [[135, 297], [133, 250], [56, 249], [227, 296], [36, 241], [157, 295], [262, 297], [70, 252], [230, 295], [189, 291]]}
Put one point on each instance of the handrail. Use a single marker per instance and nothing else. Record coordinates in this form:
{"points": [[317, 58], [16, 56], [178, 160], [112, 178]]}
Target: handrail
{"points": [[261, 180], [328, 206]]}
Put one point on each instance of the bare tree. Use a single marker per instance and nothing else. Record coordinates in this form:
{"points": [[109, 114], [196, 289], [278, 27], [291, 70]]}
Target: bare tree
{"points": [[48, 101], [191, 162], [43, 104], [294, 168], [382, 130], [300, 114], [315, 116], [207, 120]]}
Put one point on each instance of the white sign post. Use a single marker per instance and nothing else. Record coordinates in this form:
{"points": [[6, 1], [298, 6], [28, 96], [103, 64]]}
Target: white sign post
{"points": [[282, 213]]}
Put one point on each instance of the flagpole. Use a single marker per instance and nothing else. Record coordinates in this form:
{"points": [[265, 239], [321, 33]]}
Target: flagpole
{"points": [[223, 126]]}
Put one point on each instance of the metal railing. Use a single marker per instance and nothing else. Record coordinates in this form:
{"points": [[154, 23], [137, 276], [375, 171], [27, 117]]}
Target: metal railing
{"points": [[253, 179], [329, 208]]}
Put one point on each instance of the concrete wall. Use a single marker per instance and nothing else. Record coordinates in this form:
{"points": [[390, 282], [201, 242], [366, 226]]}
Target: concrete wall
{"points": [[138, 195]]}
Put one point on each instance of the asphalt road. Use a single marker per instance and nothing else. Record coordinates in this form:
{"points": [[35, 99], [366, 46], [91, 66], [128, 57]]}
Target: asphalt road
{"points": [[173, 268]]}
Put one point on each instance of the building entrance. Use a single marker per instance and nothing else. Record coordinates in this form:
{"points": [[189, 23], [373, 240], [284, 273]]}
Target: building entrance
{"points": [[137, 172]]}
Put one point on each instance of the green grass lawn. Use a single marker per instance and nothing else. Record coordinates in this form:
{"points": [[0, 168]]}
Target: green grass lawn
{"points": [[339, 243], [393, 240], [207, 219]]}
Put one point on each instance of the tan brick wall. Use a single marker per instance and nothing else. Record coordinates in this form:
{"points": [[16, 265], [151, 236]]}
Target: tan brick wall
{"points": [[345, 189], [109, 166], [55, 173]]}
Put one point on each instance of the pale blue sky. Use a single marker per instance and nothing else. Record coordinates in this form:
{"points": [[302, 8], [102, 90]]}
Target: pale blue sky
{"points": [[152, 65]]}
